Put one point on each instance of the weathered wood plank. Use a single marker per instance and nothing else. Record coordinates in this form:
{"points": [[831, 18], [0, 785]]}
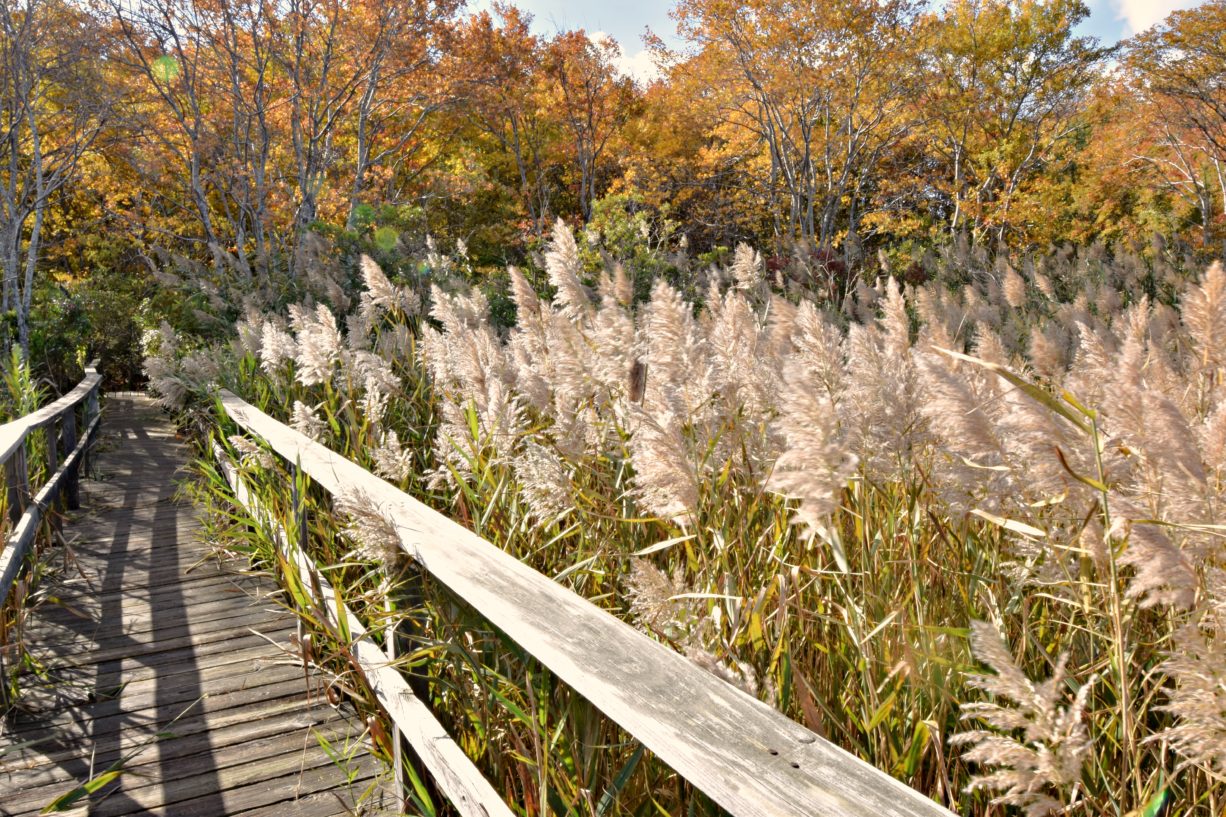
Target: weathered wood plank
{"points": [[176, 693], [321, 804], [238, 665], [172, 649], [745, 755], [157, 591], [54, 772], [64, 745], [54, 623], [208, 773]]}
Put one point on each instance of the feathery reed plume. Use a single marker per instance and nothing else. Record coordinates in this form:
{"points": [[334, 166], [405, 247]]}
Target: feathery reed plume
{"points": [[623, 287], [305, 421], [1177, 478], [1212, 438], [989, 346], [543, 480], [741, 357], [780, 325], [665, 479], [1163, 574], [1044, 285], [372, 371], [250, 332], [895, 323], [814, 466], [526, 302], [319, 344], [249, 453], [396, 343], [654, 603], [670, 344], [459, 311], [747, 269], [1197, 664], [392, 461], [879, 409], [562, 264], [609, 351], [1047, 352], [1014, 288], [276, 347], [863, 304], [1204, 316], [373, 535], [819, 347], [359, 327], [374, 403], [958, 417], [737, 673], [1033, 770], [380, 293], [160, 365]]}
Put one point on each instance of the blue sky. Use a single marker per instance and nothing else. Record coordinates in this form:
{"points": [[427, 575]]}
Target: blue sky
{"points": [[625, 20]]}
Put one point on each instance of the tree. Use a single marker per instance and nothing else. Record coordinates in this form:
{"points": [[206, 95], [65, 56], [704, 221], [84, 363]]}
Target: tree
{"points": [[1005, 88], [592, 100], [250, 120], [401, 87], [497, 66], [53, 106], [823, 86], [1177, 72]]}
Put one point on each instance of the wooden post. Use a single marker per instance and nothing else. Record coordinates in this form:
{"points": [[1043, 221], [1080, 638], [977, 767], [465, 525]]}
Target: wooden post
{"points": [[90, 412], [389, 644], [56, 505], [17, 479], [402, 631], [72, 492], [300, 532]]}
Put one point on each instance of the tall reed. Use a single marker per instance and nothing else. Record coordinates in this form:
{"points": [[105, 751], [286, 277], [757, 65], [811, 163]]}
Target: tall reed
{"points": [[970, 533]]}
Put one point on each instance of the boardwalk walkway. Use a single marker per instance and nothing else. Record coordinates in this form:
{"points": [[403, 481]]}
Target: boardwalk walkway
{"points": [[155, 652]]}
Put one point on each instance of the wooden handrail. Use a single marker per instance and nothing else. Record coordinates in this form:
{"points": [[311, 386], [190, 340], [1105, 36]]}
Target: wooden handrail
{"points": [[14, 432], [27, 511], [745, 755]]}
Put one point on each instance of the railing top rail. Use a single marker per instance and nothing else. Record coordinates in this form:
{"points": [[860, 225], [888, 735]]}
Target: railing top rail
{"points": [[747, 756], [14, 432]]}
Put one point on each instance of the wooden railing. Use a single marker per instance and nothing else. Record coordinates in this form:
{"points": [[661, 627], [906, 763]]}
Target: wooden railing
{"points": [[746, 756], [66, 446]]}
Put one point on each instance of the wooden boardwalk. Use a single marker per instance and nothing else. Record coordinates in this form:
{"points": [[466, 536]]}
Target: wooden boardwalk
{"points": [[153, 651]]}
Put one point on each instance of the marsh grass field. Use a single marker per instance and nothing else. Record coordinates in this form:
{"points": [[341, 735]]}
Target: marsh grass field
{"points": [[968, 530]]}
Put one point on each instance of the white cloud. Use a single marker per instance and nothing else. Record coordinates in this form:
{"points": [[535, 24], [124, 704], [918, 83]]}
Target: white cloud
{"points": [[1141, 14], [639, 66]]}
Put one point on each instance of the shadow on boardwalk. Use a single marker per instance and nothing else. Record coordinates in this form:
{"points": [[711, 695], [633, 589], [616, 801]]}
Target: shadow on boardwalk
{"points": [[155, 652]]}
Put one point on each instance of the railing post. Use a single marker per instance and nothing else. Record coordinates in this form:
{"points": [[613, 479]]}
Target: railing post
{"points": [[17, 479], [90, 412], [300, 532], [72, 492], [389, 643], [403, 629], [52, 436]]}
